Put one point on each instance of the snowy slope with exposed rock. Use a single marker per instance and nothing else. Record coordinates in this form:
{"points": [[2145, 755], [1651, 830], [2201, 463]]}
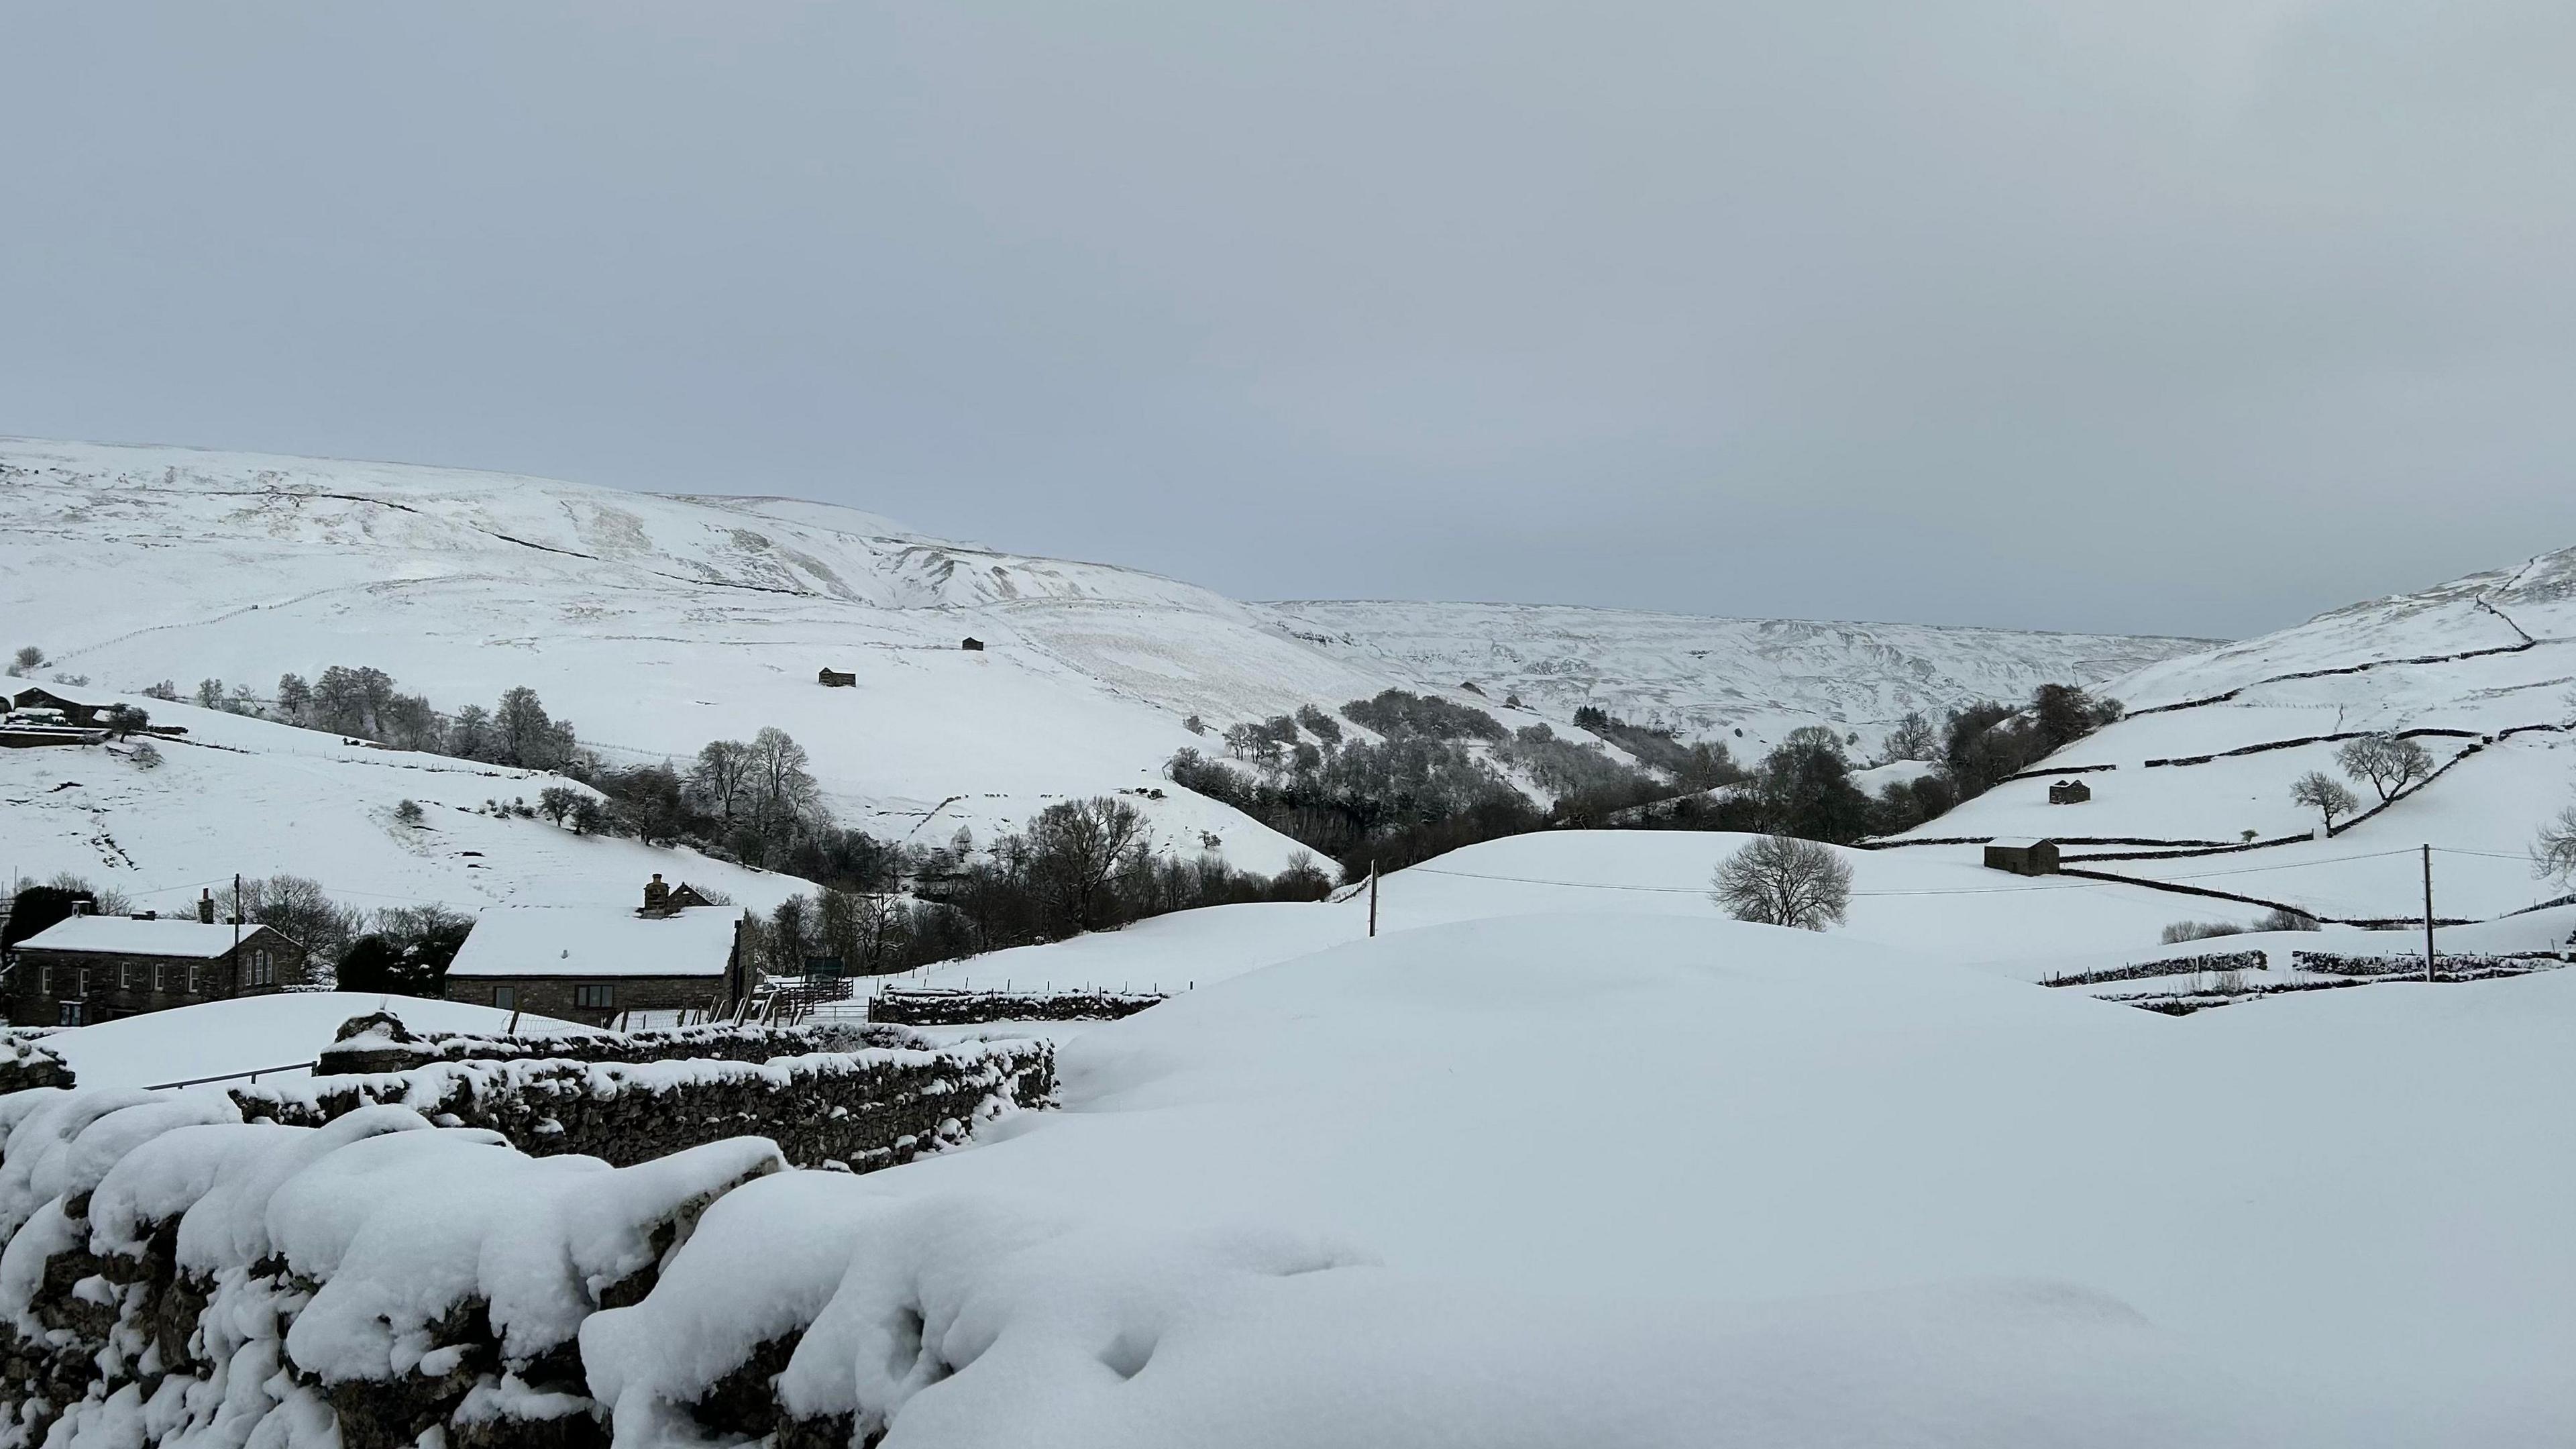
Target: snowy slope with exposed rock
{"points": [[1745, 681], [2477, 671]]}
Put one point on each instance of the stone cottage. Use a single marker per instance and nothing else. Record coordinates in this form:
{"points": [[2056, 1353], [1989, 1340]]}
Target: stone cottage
{"points": [[98, 968], [594, 965]]}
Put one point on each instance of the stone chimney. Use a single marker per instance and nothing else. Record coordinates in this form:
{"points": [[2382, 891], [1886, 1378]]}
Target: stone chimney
{"points": [[205, 908], [657, 896]]}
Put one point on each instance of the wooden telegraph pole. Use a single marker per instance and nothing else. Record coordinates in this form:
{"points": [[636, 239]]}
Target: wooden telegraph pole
{"points": [[2428, 913], [1372, 900]]}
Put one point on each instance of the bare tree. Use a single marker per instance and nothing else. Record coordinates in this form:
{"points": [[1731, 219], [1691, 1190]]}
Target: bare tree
{"points": [[1077, 850], [1780, 880], [716, 781], [557, 802], [2324, 794], [1913, 738], [28, 660], [2387, 762], [782, 789], [2554, 853]]}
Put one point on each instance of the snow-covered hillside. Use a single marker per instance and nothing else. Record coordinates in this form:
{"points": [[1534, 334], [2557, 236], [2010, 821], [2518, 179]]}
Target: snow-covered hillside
{"points": [[2478, 670], [655, 624], [249, 797], [659, 623], [1747, 682]]}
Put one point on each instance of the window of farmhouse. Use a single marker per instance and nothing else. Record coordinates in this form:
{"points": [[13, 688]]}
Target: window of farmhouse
{"points": [[598, 998]]}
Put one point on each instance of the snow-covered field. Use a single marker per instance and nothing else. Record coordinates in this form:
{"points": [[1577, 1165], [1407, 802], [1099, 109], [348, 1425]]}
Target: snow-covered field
{"points": [[221, 1038], [2422, 661], [1629, 1177]]}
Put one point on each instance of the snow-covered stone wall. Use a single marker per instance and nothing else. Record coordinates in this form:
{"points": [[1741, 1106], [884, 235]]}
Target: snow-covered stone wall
{"points": [[859, 1109], [25, 1061], [382, 1043], [176, 1274]]}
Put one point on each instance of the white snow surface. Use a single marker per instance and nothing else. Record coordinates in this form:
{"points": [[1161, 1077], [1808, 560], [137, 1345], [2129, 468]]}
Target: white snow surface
{"points": [[564, 941], [1642, 1178], [248, 796], [252, 1033]]}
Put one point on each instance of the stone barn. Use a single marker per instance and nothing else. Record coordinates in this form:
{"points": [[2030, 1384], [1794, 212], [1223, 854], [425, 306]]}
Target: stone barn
{"points": [[836, 679], [2069, 792], [594, 965], [2022, 857], [972, 645], [98, 968], [79, 713]]}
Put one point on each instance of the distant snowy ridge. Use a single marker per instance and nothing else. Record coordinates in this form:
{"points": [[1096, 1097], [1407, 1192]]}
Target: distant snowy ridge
{"points": [[1711, 678]]}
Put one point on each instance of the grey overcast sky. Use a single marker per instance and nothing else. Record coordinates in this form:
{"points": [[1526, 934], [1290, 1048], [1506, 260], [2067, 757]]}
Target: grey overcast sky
{"points": [[2192, 316]]}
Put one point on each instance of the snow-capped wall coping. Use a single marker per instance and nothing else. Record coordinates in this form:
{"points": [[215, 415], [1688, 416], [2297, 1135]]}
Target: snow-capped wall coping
{"points": [[176, 1274], [380, 1042], [25, 1061]]}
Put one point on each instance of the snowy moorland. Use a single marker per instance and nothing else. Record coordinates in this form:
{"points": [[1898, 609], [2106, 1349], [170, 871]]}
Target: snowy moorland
{"points": [[1745, 681], [659, 623], [2478, 671]]}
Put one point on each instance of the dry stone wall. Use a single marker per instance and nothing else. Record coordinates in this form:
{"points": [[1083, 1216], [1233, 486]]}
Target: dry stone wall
{"points": [[177, 1275], [960, 1008], [862, 1109]]}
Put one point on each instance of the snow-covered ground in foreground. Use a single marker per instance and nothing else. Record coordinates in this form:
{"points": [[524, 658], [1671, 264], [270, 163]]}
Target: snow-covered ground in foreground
{"points": [[1745, 681], [246, 796], [220, 1038], [1629, 1177]]}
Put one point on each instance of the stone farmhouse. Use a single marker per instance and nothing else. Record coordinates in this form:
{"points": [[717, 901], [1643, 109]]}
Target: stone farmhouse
{"points": [[594, 965], [97, 968]]}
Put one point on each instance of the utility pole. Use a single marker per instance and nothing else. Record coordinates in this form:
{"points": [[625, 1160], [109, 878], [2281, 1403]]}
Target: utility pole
{"points": [[2428, 913], [237, 920], [1372, 900]]}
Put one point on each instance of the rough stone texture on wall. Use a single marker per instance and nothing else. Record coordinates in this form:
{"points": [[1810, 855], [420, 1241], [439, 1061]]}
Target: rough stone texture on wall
{"points": [[176, 1275], [961, 1008], [862, 1109], [25, 1061], [381, 1043]]}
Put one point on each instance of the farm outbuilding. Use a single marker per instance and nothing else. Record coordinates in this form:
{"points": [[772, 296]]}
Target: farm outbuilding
{"points": [[836, 679], [75, 712], [2022, 857], [592, 965], [2069, 792], [972, 645]]}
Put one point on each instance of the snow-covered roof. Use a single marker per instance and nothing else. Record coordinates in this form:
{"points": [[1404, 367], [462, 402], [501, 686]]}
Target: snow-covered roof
{"points": [[570, 941], [123, 935]]}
